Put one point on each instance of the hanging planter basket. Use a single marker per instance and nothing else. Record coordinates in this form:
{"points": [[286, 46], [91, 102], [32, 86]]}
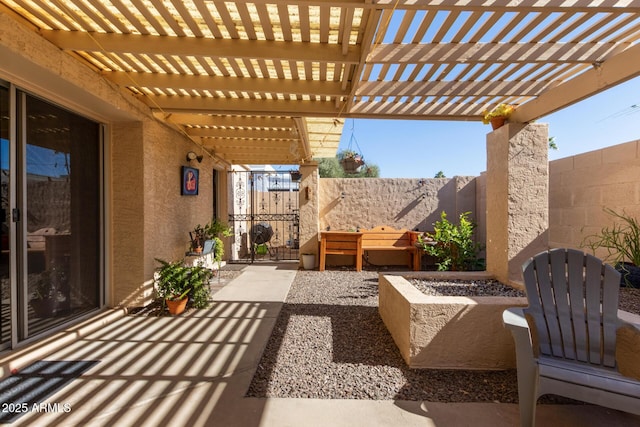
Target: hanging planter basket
{"points": [[352, 164]]}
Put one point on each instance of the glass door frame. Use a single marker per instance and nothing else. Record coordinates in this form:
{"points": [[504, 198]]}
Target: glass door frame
{"points": [[17, 224]]}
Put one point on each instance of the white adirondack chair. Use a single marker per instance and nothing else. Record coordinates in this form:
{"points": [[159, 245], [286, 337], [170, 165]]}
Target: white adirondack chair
{"points": [[573, 303]]}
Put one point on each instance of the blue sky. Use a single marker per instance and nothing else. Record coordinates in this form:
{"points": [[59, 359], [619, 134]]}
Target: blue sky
{"points": [[419, 149]]}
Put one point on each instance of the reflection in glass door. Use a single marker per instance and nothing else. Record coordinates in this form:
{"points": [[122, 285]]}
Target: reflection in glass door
{"points": [[50, 216], [61, 220], [5, 282]]}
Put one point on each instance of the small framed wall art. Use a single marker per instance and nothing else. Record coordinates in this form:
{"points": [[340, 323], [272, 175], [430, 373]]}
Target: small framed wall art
{"points": [[189, 181]]}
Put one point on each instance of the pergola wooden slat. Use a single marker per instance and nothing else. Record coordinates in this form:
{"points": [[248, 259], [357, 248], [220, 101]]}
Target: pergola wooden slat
{"points": [[308, 65]]}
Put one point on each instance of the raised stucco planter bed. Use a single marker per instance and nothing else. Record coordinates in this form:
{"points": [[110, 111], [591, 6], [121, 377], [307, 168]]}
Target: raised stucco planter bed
{"points": [[446, 332]]}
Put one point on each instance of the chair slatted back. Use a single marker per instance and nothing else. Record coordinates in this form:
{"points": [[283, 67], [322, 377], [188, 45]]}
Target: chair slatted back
{"points": [[573, 300]]}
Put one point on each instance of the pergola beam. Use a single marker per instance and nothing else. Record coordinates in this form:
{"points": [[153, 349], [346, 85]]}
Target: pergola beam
{"points": [[473, 5], [224, 83], [228, 121], [453, 88], [231, 144], [512, 53], [201, 47], [255, 134], [265, 107], [616, 70]]}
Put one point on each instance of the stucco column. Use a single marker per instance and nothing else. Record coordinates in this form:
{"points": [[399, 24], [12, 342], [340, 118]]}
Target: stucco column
{"points": [[309, 209], [517, 197]]}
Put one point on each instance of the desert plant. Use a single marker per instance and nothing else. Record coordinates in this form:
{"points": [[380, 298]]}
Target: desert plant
{"points": [[620, 243], [453, 245]]}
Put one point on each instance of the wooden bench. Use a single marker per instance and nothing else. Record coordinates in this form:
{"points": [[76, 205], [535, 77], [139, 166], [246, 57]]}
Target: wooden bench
{"points": [[341, 243], [385, 238], [382, 238]]}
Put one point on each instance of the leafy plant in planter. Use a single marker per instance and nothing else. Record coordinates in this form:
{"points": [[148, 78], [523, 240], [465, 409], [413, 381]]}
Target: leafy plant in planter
{"points": [[350, 161], [498, 115], [175, 281], [453, 245], [213, 230], [47, 294], [621, 242]]}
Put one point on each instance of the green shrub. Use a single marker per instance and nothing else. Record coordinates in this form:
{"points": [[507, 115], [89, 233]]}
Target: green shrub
{"points": [[453, 245], [175, 280]]}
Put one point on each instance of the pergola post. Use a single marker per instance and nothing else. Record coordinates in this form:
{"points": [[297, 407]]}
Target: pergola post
{"points": [[309, 209], [517, 197]]}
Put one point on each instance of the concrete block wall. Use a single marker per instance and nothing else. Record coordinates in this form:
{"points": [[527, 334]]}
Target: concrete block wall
{"points": [[582, 185]]}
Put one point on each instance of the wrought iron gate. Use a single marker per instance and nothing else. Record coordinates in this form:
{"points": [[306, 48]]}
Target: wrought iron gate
{"points": [[265, 215]]}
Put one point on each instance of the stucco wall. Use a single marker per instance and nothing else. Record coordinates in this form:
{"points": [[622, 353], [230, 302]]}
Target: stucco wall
{"points": [[147, 216], [581, 185], [414, 204]]}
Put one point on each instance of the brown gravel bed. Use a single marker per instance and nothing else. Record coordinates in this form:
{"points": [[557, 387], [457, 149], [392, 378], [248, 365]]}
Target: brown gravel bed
{"points": [[330, 343], [475, 288]]}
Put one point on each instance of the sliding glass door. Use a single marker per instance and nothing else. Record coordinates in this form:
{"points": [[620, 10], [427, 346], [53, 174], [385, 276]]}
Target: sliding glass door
{"points": [[5, 255], [51, 211], [62, 217]]}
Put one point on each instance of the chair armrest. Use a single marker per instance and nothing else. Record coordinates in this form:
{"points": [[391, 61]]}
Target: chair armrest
{"points": [[516, 321], [514, 318], [628, 318]]}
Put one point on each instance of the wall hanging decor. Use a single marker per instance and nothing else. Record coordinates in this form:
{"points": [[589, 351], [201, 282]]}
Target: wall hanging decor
{"points": [[189, 181]]}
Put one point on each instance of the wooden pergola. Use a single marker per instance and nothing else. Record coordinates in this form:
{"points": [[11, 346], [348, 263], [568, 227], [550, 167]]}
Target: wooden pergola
{"points": [[272, 81]]}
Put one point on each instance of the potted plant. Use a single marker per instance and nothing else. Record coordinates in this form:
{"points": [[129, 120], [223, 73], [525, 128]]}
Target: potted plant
{"points": [[621, 244], [43, 301], [46, 296], [213, 230], [498, 116], [198, 236], [176, 284], [350, 161]]}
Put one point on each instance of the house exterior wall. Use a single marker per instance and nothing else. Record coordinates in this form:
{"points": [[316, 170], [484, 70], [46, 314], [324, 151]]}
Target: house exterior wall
{"points": [[147, 217], [582, 185]]}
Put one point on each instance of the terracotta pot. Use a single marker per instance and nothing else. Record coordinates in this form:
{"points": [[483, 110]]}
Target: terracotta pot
{"points": [[497, 122], [177, 306]]}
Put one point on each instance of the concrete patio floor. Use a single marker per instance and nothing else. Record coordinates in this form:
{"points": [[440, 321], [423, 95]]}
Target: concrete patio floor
{"points": [[194, 371]]}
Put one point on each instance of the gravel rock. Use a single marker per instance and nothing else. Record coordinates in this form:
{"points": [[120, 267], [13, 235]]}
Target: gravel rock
{"points": [[330, 343], [475, 288]]}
